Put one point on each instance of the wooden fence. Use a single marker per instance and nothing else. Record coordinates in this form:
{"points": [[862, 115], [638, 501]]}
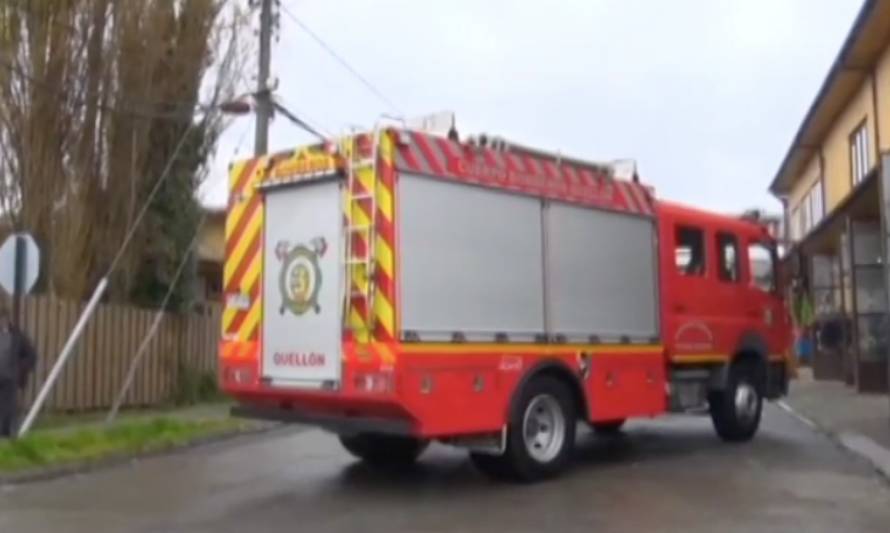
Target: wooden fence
{"points": [[95, 371]]}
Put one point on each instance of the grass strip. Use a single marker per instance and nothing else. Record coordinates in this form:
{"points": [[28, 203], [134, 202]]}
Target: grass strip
{"points": [[50, 448]]}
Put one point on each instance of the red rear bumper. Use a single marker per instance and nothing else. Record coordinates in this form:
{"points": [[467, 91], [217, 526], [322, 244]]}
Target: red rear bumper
{"points": [[427, 397]]}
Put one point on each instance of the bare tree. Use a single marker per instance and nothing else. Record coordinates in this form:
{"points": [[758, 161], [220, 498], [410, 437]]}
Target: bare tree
{"points": [[96, 98]]}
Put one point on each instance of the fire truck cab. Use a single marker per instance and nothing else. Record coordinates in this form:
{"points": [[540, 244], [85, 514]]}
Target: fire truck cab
{"points": [[399, 287]]}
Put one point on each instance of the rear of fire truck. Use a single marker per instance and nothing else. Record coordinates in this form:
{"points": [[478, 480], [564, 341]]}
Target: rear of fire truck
{"points": [[398, 287]]}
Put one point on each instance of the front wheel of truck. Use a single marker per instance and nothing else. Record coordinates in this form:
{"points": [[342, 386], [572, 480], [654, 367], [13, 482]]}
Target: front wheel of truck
{"points": [[736, 410], [384, 450]]}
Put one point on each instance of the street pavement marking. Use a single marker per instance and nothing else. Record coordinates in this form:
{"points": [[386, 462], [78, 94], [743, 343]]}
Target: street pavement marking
{"points": [[787, 408]]}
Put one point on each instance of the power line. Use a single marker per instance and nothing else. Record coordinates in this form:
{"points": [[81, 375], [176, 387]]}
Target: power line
{"points": [[131, 232], [345, 64], [316, 124], [241, 139]]}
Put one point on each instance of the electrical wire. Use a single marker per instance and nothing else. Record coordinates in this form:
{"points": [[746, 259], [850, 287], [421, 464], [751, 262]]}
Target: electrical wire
{"points": [[241, 139], [316, 124], [345, 64], [159, 314], [154, 191]]}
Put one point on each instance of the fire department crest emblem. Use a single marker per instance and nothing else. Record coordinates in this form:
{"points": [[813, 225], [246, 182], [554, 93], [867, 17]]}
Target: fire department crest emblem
{"points": [[299, 279]]}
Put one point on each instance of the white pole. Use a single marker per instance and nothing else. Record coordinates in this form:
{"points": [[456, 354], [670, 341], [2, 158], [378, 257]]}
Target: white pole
{"points": [[63, 356]]}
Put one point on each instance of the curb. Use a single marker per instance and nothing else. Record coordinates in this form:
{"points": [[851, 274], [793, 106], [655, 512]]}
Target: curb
{"points": [[60, 471], [877, 456]]}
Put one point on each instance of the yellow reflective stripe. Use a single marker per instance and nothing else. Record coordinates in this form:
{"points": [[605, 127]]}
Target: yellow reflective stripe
{"points": [[385, 313], [384, 201], [385, 256], [228, 317], [531, 349], [249, 326], [252, 230]]}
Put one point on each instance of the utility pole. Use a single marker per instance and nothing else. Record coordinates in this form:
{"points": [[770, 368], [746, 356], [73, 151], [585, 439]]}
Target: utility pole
{"points": [[263, 96]]}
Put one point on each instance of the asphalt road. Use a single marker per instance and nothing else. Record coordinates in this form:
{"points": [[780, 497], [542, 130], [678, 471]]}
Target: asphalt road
{"points": [[665, 475]]}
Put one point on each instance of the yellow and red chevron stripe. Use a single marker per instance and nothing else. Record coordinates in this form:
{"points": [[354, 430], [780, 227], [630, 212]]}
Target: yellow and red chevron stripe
{"points": [[358, 213], [243, 264]]}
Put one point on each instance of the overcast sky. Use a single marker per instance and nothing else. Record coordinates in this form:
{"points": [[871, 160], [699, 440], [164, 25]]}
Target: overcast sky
{"points": [[706, 95]]}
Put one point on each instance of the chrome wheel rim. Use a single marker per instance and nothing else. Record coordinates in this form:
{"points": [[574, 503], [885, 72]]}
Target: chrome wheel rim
{"points": [[745, 402], [543, 428]]}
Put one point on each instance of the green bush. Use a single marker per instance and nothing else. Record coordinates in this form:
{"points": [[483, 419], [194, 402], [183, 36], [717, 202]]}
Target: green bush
{"points": [[194, 386]]}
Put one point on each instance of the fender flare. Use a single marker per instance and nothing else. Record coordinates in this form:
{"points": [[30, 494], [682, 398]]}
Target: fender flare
{"points": [[750, 342], [559, 368]]}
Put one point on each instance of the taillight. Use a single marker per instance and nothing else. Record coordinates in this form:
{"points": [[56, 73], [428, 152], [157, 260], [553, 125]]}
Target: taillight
{"points": [[238, 375], [374, 382]]}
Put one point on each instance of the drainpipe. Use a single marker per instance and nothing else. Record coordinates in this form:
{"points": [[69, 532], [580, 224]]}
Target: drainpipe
{"points": [[884, 195], [883, 161]]}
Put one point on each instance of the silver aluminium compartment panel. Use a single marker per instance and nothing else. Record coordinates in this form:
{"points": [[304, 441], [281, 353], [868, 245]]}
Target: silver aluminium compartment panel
{"points": [[471, 262], [601, 275]]}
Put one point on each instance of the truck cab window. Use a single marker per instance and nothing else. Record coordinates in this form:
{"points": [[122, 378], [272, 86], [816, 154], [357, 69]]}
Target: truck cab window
{"points": [[728, 257], [762, 267], [690, 251]]}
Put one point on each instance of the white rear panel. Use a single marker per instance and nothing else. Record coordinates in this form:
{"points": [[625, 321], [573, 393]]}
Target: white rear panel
{"points": [[302, 294]]}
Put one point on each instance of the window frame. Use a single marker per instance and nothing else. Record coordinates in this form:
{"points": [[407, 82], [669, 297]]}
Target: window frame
{"points": [[811, 198], [859, 153], [809, 211]]}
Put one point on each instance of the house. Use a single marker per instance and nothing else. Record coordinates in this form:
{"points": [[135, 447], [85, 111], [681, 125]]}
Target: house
{"points": [[211, 253], [831, 182]]}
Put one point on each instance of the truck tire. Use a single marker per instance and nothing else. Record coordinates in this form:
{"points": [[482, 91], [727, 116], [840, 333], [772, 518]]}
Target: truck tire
{"points": [[608, 428], [736, 411], [384, 450], [540, 434]]}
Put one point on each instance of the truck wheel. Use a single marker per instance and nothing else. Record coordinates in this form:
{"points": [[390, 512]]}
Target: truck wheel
{"points": [[384, 450], [540, 434], [608, 428], [736, 410]]}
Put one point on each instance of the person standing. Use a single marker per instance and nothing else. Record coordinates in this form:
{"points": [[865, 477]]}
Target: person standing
{"points": [[17, 360]]}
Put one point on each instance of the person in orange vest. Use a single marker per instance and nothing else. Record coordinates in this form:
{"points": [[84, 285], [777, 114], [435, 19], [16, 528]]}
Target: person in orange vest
{"points": [[17, 360]]}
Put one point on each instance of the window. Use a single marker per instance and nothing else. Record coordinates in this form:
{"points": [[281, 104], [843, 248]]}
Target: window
{"points": [[859, 163], [690, 251], [760, 259], [728, 257], [817, 207], [809, 212]]}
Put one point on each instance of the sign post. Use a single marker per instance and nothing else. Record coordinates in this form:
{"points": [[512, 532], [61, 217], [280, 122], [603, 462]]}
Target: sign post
{"points": [[19, 269], [21, 259]]}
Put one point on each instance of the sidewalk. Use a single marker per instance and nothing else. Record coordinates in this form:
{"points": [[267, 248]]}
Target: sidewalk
{"points": [[859, 422]]}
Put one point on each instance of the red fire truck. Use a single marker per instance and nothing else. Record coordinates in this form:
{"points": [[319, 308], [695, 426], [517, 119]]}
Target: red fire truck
{"points": [[398, 287]]}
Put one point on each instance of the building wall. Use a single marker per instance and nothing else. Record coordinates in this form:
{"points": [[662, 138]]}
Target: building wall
{"points": [[212, 241], [810, 175], [838, 168], [835, 148]]}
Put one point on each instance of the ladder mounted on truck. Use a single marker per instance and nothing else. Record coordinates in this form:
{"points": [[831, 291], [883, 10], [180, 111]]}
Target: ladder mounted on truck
{"points": [[361, 227]]}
